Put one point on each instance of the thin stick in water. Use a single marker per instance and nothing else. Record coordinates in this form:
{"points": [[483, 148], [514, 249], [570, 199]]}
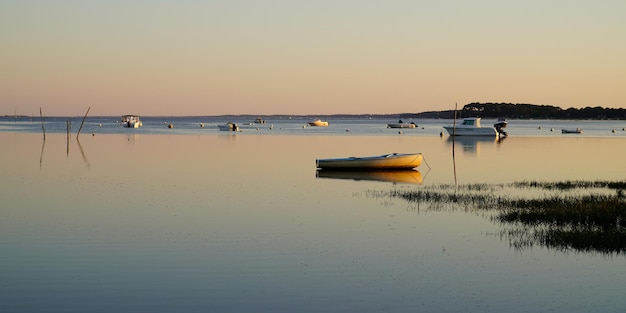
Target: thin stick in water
{"points": [[453, 140], [83, 122], [69, 126], [43, 128], [454, 123]]}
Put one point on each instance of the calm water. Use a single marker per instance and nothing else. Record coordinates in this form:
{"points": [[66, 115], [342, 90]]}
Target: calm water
{"points": [[298, 126], [191, 219]]}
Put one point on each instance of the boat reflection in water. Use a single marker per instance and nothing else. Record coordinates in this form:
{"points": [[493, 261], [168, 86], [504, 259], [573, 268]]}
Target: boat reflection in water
{"points": [[393, 176], [471, 144]]}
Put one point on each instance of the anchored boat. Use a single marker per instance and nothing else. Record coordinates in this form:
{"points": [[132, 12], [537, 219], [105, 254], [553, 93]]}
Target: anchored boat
{"points": [[131, 121], [385, 161], [401, 124], [318, 122], [572, 131], [471, 127], [230, 126]]}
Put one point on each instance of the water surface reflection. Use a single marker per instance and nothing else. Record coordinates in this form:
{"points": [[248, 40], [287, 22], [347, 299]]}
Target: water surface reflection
{"points": [[472, 144], [393, 176], [222, 223]]}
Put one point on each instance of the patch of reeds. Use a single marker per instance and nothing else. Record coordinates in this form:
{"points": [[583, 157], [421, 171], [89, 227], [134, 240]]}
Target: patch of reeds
{"points": [[571, 220], [605, 241], [591, 211], [567, 185]]}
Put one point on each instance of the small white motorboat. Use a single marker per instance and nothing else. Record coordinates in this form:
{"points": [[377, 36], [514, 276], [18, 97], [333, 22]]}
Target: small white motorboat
{"points": [[131, 121], [385, 161], [228, 127], [471, 127], [401, 124], [318, 122]]}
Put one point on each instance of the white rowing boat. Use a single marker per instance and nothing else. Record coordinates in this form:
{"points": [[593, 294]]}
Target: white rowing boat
{"points": [[385, 161]]}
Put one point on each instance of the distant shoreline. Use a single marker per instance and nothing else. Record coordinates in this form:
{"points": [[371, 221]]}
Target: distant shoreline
{"points": [[395, 116]]}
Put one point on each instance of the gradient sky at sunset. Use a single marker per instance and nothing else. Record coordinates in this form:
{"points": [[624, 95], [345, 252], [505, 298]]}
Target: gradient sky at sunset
{"points": [[192, 57]]}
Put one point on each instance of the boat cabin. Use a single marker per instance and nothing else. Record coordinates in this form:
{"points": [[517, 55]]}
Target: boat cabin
{"points": [[471, 122]]}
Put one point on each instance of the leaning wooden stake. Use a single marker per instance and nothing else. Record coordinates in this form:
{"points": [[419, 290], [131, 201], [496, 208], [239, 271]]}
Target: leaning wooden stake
{"points": [[83, 122], [69, 126], [43, 128], [453, 140]]}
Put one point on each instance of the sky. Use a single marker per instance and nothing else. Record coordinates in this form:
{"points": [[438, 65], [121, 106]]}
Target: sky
{"points": [[193, 57]]}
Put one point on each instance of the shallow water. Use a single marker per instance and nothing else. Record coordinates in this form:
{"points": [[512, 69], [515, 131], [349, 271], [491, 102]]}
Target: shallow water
{"points": [[200, 125], [225, 222]]}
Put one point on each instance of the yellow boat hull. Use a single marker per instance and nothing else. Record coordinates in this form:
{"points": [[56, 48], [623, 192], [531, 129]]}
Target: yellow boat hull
{"points": [[385, 161]]}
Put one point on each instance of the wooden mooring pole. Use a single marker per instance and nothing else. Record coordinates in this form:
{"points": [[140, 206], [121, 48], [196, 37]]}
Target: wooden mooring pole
{"points": [[42, 127], [83, 122]]}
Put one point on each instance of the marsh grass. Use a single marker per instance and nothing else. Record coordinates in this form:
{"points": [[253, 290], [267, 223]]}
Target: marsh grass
{"points": [[583, 216], [568, 185]]}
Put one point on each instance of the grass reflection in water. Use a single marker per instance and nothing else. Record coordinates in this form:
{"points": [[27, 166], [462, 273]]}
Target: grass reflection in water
{"points": [[581, 216]]}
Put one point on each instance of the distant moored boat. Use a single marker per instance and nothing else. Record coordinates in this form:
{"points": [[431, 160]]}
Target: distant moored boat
{"points": [[572, 131], [131, 121], [401, 124], [228, 127], [318, 122]]}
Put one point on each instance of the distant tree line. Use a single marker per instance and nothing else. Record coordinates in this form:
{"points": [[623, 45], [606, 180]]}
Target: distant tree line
{"points": [[526, 111]]}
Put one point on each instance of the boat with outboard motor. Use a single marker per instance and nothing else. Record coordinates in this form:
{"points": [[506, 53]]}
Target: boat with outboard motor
{"points": [[401, 124], [471, 127]]}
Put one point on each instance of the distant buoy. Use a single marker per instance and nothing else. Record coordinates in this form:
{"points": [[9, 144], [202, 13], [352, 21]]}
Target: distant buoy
{"points": [[170, 125], [613, 131], [551, 129], [400, 132], [202, 125], [100, 125], [539, 127], [347, 130]]}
